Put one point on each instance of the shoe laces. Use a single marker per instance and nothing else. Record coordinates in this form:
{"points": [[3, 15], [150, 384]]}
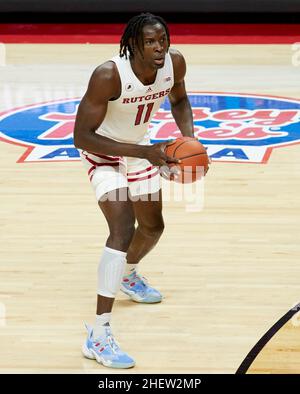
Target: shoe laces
{"points": [[137, 277], [111, 342]]}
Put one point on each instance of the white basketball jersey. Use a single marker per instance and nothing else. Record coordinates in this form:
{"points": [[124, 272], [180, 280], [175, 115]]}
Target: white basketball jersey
{"points": [[128, 117]]}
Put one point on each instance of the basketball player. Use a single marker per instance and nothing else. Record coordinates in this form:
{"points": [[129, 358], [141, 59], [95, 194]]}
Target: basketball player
{"points": [[111, 134]]}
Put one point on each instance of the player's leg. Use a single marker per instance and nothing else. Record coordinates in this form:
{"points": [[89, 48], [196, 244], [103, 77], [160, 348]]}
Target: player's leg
{"points": [[120, 218], [145, 184], [148, 212], [119, 214], [108, 176]]}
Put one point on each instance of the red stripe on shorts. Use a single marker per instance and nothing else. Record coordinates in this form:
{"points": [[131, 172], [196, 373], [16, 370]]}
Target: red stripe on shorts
{"points": [[140, 172], [144, 177], [89, 172], [102, 164], [91, 169]]}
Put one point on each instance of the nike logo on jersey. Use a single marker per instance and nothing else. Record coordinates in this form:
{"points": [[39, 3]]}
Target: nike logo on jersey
{"points": [[129, 87]]}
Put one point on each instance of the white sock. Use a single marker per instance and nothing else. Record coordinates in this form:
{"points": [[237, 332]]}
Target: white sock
{"points": [[100, 323], [129, 268]]}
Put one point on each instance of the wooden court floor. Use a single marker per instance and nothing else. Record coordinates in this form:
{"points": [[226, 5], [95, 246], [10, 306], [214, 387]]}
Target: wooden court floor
{"points": [[228, 272]]}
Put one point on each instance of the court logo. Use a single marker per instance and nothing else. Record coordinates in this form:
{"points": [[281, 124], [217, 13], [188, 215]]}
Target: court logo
{"points": [[233, 127]]}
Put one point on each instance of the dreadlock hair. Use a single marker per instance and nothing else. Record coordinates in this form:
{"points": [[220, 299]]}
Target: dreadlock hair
{"points": [[134, 30]]}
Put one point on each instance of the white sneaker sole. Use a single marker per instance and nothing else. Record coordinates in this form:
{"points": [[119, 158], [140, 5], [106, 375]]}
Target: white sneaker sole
{"points": [[139, 299], [92, 355]]}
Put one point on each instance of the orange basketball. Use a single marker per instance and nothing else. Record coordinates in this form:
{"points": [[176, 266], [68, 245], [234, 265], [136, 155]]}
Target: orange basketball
{"points": [[193, 156]]}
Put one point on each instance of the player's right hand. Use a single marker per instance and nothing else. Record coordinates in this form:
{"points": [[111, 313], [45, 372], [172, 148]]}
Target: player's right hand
{"points": [[156, 154]]}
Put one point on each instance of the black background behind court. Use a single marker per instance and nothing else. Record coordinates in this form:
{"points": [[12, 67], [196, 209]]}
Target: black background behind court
{"points": [[114, 11]]}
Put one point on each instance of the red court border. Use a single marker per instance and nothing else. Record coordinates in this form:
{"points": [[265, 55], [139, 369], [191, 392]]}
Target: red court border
{"points": [[75, 33]]}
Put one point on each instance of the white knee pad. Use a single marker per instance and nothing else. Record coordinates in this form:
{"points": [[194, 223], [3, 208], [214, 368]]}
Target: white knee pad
{"points": [[110, 272]]}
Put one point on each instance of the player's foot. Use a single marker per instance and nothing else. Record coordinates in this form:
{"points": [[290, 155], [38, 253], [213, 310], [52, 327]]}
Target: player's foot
{"points": [[105, 350], [138, 289]]}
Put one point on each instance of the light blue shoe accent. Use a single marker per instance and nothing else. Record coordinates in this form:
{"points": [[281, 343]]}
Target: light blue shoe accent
{"points": [[105, 350], [138, 289]]}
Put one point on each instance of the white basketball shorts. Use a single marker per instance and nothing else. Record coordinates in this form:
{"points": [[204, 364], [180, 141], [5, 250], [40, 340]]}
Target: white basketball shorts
{"points": [[108, 173]]}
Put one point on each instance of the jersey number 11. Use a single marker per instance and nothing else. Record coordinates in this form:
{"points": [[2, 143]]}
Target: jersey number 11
{"points": [[141, 111]]}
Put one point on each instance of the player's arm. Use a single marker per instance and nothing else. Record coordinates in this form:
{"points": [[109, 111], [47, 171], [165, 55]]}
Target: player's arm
{"points": [[180, 105], [103, 86]]}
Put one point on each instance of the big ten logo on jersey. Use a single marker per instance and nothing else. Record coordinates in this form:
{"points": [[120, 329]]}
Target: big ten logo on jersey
{"points": [[236, 127], [233, 127]]}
